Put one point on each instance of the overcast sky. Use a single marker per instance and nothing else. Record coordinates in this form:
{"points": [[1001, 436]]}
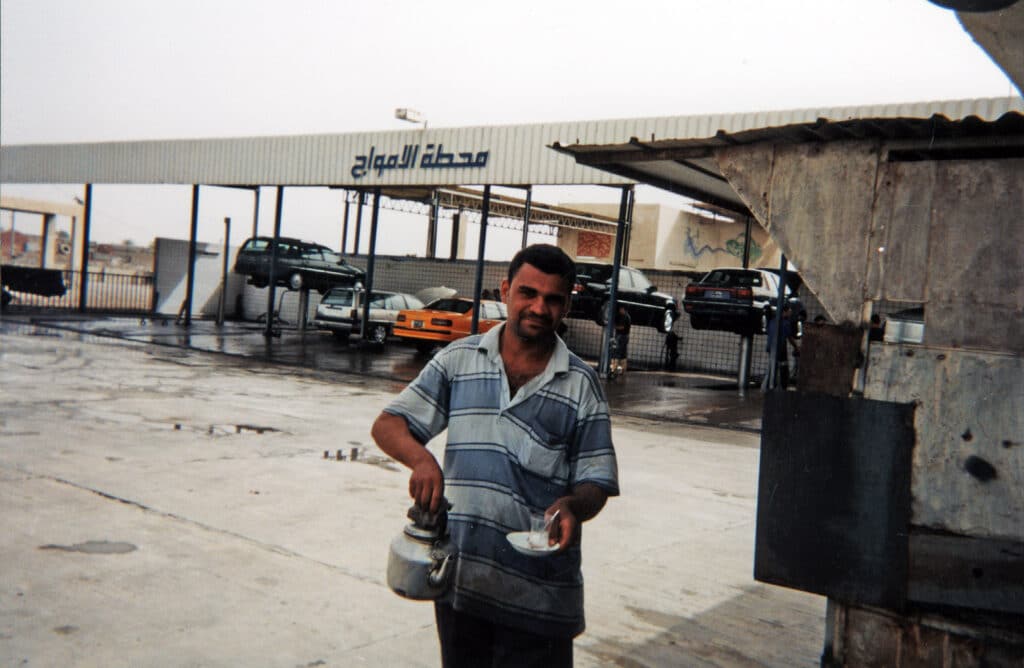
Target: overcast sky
{"points": [[96, 70]]}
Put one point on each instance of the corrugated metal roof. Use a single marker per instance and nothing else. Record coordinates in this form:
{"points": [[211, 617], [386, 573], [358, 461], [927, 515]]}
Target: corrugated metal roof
{"points": [[498, 155]]}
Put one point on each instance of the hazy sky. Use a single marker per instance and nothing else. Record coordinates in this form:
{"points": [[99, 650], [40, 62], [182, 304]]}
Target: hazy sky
{"points": [[95, 70]]}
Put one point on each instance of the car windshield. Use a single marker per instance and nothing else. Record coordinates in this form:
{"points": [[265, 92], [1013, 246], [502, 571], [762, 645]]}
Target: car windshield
{"points": [[451, 305], [338, 298], [742, 279], [597, 273], [331, 256]]}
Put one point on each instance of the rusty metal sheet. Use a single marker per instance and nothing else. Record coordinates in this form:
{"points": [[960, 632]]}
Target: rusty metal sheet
{"points": [[898, 254], [820, 209], [833, 496], [829, 355], [976, 256], [984, 574], [968, 468]]}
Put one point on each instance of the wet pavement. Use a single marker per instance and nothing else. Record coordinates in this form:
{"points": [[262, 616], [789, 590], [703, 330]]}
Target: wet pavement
{"points": [[687, 398], [165, 506]]}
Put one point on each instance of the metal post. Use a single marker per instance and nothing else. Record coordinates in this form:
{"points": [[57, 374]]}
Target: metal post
{"points": [[479, 283], [221, 306], [746, 243], [432, 219], [526, 216], [613, 292], [629, 228], [46, 244], [776, 338], [361, 200], [10, 246], [344, 226], [256, 212], [456, 224], [370, 262], [746, 345], [83, 278], [268, 330], [191, 275]]}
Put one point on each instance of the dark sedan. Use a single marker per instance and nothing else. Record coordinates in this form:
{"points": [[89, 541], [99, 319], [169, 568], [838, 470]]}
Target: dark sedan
{"points": [[645, 305], [300, 264]]}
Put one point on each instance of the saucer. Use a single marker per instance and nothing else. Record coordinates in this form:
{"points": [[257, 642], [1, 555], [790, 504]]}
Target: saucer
{"points": [[520, 541]]}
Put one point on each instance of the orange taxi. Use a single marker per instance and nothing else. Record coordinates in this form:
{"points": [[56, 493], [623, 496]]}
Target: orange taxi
{"points": [[445, 320]]}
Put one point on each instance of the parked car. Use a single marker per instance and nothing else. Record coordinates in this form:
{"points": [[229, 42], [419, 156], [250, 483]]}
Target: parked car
{"points": [[341, 311], [446, 320], [645, 305], [739, 300], [300, 264]]}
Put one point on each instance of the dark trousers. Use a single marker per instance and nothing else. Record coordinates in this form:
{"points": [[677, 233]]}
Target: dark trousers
{"points": [[471, 642]]}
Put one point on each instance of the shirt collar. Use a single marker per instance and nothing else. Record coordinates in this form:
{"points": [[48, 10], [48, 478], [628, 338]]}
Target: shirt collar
{"points": [[490, 344]]}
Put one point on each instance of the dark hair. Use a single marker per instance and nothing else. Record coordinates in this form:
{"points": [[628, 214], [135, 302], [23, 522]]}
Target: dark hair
{"points": [[547, 258]]}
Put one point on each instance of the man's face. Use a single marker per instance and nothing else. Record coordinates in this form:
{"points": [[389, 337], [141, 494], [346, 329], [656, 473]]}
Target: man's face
{"points": [[536, 303]]}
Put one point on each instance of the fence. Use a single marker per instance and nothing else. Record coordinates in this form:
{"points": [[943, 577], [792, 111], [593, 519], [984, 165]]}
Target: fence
{"points": [[702, 351], [106, 292]]}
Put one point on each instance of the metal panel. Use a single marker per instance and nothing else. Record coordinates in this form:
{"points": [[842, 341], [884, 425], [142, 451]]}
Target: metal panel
{"points": [[968, 470], [820, 207], [833, 497], [976, 236], [516, 154]]}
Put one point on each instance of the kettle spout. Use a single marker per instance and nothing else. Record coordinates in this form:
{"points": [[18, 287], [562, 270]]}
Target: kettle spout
{"points": [[439, 574]]}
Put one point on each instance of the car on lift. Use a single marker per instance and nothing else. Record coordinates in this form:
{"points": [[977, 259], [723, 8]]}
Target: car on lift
{"points": [[739, 300], [340, 312], [299, 264], [644, 304], [446, 320]]}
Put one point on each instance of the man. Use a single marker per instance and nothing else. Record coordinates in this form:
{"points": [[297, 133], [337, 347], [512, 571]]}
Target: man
{"points": [[787, 338], [528, 430], [622, 324]]}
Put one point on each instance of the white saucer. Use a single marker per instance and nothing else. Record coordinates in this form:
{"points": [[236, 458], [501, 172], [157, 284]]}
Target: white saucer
{"points": [[520, 541]]}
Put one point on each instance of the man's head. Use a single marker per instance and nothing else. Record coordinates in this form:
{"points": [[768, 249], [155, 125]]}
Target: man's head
{"points": [[537, 292], [549, 259]]}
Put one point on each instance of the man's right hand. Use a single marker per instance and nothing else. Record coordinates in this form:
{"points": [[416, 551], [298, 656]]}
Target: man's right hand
{"points": [[426, 484]]}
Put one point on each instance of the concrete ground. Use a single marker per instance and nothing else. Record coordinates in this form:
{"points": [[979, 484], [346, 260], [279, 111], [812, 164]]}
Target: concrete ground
{"points": [[162, 505]]}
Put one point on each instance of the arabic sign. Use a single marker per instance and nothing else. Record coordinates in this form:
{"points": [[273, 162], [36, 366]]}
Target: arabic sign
{"points": [[434, 157]]}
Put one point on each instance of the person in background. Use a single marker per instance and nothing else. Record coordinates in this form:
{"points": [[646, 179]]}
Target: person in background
{"points": [[876, 332], [623, 323], [787, 338], [528, 431]]}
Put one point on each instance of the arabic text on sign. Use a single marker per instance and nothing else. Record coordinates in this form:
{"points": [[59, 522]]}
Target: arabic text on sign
{"points": [[434, 157]]}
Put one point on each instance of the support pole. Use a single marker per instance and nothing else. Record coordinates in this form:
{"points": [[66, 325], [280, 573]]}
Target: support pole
{"points": [[46, 246], [604, 364], [479, 283], [191, 276], [776, 338], [432, 219], [629, 227], [526, 216], [361, 200], [746, 340], [371, 261], [453, 254], [83, 278], [256, 212], [222, 304], [344, 226], [268, 330]]}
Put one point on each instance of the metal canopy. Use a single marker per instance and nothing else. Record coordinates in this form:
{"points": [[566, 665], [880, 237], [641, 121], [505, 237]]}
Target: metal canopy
{"points": [[687, 166]]}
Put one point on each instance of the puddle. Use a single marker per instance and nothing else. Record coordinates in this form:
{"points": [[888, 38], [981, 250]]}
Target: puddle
{"points": [[93, 547]]}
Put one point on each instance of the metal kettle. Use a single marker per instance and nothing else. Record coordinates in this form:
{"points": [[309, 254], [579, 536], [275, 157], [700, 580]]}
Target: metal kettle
{"points": [[422, 558]]}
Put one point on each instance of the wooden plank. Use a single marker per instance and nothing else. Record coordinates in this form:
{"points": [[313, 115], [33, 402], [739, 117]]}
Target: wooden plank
{"points": [[985, 574]]}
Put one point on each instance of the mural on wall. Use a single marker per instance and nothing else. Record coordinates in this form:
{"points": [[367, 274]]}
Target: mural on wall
{"points": [[732, 246], [594, 244]]}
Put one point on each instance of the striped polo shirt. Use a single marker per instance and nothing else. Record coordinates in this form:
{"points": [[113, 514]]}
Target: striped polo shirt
{"points": [[505, 458]]}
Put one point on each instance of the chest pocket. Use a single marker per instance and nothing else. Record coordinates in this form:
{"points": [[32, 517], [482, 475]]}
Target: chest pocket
{"points": [[545, 452]]}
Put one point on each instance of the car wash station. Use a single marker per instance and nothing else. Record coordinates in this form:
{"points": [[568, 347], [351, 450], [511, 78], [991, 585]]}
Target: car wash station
{"points": [[891, 476]]}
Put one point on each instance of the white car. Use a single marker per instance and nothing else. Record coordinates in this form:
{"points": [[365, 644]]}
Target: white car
{"points": [[341, 311]]}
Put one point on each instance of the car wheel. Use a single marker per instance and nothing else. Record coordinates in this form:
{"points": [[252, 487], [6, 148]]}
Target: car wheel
{"points": [[601, 317], [378, 334], [665, 326], [295, 281]]}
